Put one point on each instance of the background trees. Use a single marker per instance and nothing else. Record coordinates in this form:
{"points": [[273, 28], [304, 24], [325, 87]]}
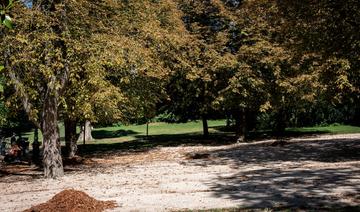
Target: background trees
{"points": [[326, 34], [294, 63]]}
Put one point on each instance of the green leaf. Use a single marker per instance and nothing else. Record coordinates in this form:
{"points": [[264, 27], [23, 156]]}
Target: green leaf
{"points": [[1, 67], [10, 5], [244, 33], [7, 22]]}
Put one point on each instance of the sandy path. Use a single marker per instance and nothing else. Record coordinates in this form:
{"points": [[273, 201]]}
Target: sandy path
{"points": [[306, 172]]}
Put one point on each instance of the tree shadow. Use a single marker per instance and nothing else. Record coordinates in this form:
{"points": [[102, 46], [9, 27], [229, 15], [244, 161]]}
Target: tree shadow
{"points": [[15, 172], [298, 188], [297, 175], [102, 134], [268, 134], [221, 136], [102, 150], [146, 143]]}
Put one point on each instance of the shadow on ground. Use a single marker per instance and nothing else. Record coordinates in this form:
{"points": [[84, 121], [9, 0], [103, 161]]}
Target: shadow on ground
{"points": [[222, 136], [102, 134], [302, 188], [268, 134], [300, 174], [146, 143]]}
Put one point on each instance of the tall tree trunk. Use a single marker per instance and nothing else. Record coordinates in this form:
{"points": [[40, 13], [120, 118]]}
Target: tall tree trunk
{"points": [[52, 161], [205, 126], [36, 148], [240, 122], [228, 121], [70, 137], [87, 127], [147, 129], [281, 118]]}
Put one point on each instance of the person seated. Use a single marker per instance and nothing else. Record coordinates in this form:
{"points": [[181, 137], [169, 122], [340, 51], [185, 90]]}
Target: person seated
{"points": [[23, 144], [15, 152]]}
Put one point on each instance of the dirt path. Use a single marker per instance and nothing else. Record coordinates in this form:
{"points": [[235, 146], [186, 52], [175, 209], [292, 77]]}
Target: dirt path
{"points": [[308, 172]]}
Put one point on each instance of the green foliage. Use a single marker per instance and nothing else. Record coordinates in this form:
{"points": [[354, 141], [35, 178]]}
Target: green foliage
{"points": [[167, 117], [114, 75], [327, 33], [5, 19]]}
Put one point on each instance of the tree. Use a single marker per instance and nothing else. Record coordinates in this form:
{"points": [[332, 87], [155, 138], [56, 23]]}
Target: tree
{"points": [[53, 67], [44, 56], [327, 33], [39, 71], [200, 62]]}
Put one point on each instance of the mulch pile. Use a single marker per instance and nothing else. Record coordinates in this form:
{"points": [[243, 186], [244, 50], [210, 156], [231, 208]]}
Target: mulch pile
{"points": [[72, 201]]}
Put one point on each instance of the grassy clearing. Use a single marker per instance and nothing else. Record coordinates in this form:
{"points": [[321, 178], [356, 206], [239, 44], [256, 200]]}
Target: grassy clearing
{"points": [[30, 135], [132, 132], [173, 131], [333, 129]]}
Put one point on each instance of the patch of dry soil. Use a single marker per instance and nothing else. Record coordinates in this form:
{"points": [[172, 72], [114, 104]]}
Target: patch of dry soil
{"points": [[304, 172]]}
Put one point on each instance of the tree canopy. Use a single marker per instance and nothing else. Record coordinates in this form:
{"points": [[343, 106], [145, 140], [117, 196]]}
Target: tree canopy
{"points": [[109, 61]]}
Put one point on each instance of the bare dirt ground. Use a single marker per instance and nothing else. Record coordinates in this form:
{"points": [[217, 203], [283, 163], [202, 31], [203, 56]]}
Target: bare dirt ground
{"points": [[308, 172]]}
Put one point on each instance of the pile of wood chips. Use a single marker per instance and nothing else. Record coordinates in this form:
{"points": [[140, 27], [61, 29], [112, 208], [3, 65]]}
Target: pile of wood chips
{"points": [[72, 201]]}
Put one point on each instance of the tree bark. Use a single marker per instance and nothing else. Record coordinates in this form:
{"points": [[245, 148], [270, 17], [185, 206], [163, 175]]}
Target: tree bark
{"points": [[228, 121], [147, 129], [52, 161], [281, 119], [70, 137], [240, 122], [205, 126], [88, 129]]}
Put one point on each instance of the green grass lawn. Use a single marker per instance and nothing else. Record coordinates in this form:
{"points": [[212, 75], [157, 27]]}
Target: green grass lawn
{"points": [[333, 129], [132, 132], [30, 135], [171, 131]]}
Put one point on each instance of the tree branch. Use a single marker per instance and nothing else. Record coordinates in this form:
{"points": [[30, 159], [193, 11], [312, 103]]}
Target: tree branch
{"points": [[24, 97], [20, 91]]}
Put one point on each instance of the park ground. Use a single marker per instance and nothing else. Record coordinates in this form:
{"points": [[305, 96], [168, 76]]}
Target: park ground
{"points": [[306, 172]]}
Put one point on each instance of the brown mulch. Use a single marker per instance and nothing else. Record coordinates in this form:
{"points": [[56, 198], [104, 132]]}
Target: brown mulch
{"points": [[72, 201]]}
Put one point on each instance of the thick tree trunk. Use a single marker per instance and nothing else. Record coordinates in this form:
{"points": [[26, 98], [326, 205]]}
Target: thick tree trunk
{"points": [[70, 137], [281, 119], [205, 126], [88, 129], [240, 122], [52, 161]]}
